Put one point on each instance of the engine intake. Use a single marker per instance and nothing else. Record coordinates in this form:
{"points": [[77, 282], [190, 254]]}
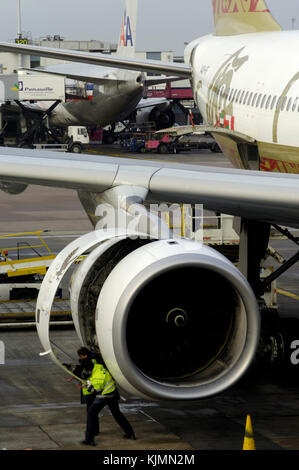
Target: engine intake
{"points": [[162, 115], [173, 319], [176, 320]]}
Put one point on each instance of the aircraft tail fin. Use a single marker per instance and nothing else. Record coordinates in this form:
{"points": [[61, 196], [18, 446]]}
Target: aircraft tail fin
{"points": [[242, 17], [127, 39]]}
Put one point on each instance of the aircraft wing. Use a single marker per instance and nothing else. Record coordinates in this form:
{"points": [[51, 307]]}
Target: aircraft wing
{"points": [[154, 66], [202, 129], [149, 102], [97, 75], [90, 74], [267, 197]]}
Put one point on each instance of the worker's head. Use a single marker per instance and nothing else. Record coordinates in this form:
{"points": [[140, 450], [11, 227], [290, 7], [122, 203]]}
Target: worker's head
{"points": [[87, 366], [84, 353]]}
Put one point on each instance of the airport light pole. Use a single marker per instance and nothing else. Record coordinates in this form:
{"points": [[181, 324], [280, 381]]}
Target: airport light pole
{"points": [[20, 31], [19, 20]]}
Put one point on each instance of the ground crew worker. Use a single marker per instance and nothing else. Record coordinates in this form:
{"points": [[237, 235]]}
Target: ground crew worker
{"points": [[101, 382], [86, 396], [85, 353], [78, 370]]}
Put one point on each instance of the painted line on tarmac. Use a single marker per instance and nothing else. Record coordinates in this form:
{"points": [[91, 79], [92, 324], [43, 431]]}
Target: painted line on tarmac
{"points": [[148, 416], [288, 294]]}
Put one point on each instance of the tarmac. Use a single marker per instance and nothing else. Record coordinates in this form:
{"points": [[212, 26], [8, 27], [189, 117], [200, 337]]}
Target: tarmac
{"points": [[41, 410]]}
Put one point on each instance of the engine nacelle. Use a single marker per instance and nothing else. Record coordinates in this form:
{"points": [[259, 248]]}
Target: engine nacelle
{"points": [[162, 115], [173, 319], [12, 188]]}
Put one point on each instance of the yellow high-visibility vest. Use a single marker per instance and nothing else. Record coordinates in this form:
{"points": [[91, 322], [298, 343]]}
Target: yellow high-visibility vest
{"points": [[101, 380]]}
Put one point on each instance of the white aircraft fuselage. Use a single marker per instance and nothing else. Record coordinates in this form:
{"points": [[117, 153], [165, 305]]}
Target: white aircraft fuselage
{"points": [[112, 101], [249, 83]]}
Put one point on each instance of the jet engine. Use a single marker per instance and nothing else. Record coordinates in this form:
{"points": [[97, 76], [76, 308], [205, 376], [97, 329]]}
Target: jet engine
{"points": [[161, 114], [173, 319], [13, 188]]}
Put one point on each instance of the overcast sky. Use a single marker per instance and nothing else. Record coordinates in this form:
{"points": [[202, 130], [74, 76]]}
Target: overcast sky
{"points": [[162, 24]]}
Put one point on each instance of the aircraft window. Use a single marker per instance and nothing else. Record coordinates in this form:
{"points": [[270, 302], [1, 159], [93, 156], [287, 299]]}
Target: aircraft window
{"points": [[231, 94], [289, 104], [245, 97], [235, 95], [258, 100], [263, 101], [254, 98], [268, 101], [284, 103], [295, 104], [273, 102], [249, 99], [241, 97], [237, 99]]}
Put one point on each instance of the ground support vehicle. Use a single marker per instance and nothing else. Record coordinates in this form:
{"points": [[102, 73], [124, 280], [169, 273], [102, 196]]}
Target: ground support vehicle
{"points": [[142, 139], [23, 265], [74, 139], [23, 128], [22, 269]]}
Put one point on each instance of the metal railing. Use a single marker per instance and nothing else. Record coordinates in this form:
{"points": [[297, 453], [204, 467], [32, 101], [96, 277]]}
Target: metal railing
{"points": [[5, 252]]}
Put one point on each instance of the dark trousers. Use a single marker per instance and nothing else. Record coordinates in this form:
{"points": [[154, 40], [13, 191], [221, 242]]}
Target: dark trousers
{"points": [[89, 399], [92, 416]]}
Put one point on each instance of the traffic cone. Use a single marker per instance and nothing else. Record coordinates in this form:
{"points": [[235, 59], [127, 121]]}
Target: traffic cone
{"points": [[248, 443]]}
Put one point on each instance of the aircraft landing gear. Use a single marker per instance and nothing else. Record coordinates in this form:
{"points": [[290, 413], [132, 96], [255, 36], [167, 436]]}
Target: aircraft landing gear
{"points": [[278, 335]]}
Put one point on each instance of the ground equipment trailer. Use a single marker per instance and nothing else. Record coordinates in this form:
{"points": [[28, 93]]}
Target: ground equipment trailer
{"points": [[23, 265], [26, 125]]}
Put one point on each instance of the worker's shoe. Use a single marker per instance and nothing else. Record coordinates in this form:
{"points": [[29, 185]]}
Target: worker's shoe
{"points": [[129, 436], [88, 443]]}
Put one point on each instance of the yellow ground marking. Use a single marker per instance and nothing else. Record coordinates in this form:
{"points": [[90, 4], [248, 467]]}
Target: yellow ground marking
{"points": [[30, 314], [288, 294], [33, 300]]}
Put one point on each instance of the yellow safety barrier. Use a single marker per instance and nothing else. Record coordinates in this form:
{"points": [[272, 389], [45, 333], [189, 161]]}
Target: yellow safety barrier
{"points": [[37, 233], [13, 264], [288, 294], [248, 443]]}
